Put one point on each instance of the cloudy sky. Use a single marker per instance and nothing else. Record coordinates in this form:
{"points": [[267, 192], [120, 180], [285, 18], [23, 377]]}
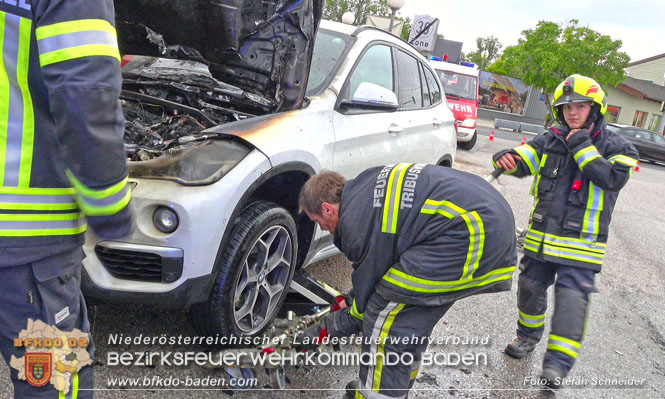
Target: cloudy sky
{"points": [[639, 24]]}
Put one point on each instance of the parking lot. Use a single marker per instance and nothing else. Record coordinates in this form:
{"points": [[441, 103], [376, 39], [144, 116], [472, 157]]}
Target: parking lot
{"points": [[625, 341]]}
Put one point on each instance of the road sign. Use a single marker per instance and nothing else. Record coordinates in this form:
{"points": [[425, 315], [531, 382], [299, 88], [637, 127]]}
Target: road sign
{"points": [[424, 42]]}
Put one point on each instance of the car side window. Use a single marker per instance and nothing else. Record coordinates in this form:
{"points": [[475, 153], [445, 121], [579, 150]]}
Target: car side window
{"points": [[658, 138], [434, 89], [409, 93], [375, 66], [427, 98], [642, 135]]}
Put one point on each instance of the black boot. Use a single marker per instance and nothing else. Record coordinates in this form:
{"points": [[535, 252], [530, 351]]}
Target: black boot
{"points": [[552, 377], [520, 347], [351, 389]]}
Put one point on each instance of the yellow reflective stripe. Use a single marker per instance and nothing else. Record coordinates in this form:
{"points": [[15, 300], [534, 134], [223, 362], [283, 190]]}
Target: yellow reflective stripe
{"points": [[446, 286], [586, 155], [96, 194], [393, 195], [531, 320], [36, 217], [80, 25], [38, 207], [75, 392], [473, 223], [562, 349], [23, 64], [37, 191], [101, 202], [594, 208], [90, 50], [354, 312], [4, 101], [359, 395], [378, 370], [536, 181], [565, 345], [625, 160], [39, 233], [529, 156], [414, 374], [567, 242]]}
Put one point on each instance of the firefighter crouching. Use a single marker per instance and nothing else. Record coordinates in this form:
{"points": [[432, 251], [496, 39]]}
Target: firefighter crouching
{"points": [[62, 167], [420, 238], [579, 168]]}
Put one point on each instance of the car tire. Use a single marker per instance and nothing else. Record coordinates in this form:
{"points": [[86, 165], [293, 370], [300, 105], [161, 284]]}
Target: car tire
{"points": [[467, 145], [254, 274]]}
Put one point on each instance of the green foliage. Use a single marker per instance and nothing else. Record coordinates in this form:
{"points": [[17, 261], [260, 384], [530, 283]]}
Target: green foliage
{"points": [[334, 9], [491, 45], [406, 30], [546, 55]]}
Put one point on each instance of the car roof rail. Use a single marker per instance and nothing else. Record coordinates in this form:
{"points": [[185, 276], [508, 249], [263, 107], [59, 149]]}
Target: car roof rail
{"points": [[369, 27]]}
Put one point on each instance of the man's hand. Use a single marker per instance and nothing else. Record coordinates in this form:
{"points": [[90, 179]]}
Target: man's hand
{"points": [[508, 161], [573, 131], [310, 338]]}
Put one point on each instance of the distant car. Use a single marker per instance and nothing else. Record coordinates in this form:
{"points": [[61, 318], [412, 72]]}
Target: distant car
{"points": [[219, 153], [649, 144]]}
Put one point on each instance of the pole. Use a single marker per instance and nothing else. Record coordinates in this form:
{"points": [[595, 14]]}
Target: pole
{"points": [[392, 20]]}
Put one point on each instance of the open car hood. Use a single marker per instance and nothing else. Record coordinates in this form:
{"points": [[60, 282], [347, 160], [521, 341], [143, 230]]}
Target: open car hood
{"points": [[261, 46]]}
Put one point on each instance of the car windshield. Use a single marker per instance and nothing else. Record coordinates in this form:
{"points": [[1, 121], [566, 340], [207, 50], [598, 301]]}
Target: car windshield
{"points": [[328, 50], [458, 85]]}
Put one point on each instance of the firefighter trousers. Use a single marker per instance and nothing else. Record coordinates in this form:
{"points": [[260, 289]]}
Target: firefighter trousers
{"points": [[47, 290], [394, 336], [571, 308]]}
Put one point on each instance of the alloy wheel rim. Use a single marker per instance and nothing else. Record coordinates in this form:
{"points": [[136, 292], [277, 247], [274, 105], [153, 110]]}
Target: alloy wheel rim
{"points": [[262, 279]]}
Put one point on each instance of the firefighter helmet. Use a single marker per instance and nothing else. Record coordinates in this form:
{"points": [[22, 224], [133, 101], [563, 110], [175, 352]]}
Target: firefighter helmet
{"points": [[577, 88]]}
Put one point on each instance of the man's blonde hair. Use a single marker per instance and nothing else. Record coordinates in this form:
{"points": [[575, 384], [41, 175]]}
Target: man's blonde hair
{"points": [[325, 187]]}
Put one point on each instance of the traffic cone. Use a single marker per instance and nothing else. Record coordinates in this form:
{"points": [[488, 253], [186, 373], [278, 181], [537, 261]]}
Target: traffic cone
{"points": [[523, 140], [492, 136], [637, 168]]}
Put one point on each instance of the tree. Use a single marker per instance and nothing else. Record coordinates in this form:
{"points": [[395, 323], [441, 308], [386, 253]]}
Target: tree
{"points": [[491, 45], [406, 30], [546, 55], [334, 9]]}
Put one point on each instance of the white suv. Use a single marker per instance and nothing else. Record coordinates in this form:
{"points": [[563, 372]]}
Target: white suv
{"points": [[217, 223]]}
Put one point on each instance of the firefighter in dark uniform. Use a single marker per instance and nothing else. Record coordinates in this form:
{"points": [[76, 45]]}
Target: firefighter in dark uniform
{"points": [[579, 168], [62, 165], [420, 237]]}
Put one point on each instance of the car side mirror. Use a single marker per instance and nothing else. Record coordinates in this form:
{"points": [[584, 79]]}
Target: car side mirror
{"points": [[373, 97]]}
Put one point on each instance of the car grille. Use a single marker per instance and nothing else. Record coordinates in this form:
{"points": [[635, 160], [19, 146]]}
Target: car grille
{"points": [[139, 265]]}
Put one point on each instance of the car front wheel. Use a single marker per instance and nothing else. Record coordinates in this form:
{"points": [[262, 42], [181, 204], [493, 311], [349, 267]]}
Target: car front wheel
{"points": [[254, 275]]}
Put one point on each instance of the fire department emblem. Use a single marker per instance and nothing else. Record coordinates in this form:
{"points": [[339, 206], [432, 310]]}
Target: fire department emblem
{"points": [[38, 368]]}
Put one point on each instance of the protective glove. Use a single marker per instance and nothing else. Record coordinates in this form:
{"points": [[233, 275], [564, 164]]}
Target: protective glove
{"points": [[313, 336]]}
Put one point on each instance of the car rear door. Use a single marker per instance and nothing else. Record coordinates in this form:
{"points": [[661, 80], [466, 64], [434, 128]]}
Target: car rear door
{"points": [[423, 124]]}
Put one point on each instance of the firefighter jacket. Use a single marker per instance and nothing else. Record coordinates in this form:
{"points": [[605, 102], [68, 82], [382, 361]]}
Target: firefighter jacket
{"points": [[62, 163], [575, 188], [425, 235]]}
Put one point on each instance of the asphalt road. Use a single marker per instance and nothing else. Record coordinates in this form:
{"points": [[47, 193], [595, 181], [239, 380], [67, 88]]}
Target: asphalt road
{"points": [[626, 331]]}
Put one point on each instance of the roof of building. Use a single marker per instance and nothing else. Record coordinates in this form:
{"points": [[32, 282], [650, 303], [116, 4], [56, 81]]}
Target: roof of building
{"points": [[643, 89], [655, 57]]}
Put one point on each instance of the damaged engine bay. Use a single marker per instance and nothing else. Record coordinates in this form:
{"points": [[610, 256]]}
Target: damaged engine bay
{"points": [[167, 103]]}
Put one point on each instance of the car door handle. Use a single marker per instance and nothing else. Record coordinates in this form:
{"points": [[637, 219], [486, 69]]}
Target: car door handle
{"points": [[394, 129], [437, 122]]}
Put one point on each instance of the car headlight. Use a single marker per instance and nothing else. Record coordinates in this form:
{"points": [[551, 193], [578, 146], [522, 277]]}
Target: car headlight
{"points": [[200, 163], [469, 123], [165, 219]]}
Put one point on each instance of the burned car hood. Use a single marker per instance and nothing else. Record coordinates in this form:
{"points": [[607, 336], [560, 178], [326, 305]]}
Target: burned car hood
{"points": [[261, 46]]}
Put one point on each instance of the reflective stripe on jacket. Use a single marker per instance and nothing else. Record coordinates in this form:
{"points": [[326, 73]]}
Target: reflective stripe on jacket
{"points": [[425, 235], [575, 188], [61, 153]]}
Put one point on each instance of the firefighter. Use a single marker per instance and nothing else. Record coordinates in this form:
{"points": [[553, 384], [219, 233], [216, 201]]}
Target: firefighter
{"points": [[420, 237], [579, 168], [62, 167]]}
